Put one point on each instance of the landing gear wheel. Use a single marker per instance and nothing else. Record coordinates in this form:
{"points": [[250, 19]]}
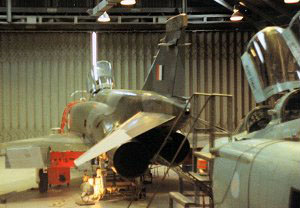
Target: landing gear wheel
{"points": [[43, 184]]}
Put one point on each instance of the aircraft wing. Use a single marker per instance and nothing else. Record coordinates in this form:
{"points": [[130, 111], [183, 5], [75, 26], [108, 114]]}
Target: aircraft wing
{"points": [[135, 126], [34, 153]]}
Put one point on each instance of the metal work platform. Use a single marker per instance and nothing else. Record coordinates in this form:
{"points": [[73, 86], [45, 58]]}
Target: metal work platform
{"points": [[203, 193]]}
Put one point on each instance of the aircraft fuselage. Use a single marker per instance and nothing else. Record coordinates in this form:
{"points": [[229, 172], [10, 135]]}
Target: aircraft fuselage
{"points": [[110, 108], [260, 166]]}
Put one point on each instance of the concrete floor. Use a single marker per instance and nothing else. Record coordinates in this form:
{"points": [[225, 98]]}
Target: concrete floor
{"points": [[27, 195]]}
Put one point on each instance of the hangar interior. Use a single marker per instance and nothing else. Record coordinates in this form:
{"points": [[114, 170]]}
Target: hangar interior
{"points": [[46, 52]]}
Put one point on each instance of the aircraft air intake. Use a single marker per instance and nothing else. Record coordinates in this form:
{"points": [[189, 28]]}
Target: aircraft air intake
{"points": [[173, 144], [131, 159]]}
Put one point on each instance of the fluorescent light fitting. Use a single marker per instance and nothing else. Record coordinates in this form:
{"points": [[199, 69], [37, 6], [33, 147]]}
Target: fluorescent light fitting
{"points": [[241, 3], [128, 2], [104, 18], [291, 1], [236, 16], [94, 48]]}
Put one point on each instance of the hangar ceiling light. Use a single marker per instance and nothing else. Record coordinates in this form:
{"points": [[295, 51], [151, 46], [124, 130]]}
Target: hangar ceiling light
{"points": [[128, 2], [237, 15], [104, 18], [291, 1]]}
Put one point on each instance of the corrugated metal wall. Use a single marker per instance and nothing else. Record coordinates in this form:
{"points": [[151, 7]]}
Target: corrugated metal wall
{"points": [[212, 65], [40, 70]]}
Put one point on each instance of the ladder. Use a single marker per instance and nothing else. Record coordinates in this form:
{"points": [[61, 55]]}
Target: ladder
{"points": [[203, 182]]}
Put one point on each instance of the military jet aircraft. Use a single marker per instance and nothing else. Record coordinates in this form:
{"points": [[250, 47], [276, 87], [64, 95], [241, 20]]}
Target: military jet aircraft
{"points": [[129, 125], [259, 165]]}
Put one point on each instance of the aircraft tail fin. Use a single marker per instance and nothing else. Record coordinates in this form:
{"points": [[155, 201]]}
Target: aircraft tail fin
{"points": [[166, 75]]}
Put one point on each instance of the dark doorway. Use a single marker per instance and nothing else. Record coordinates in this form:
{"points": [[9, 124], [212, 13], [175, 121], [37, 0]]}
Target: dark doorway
{"points": [[294, 198]]}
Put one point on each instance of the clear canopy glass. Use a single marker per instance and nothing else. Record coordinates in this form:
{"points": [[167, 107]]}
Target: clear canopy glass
{"points": [[295, 26], [270, 65], [100, 77], [292, 36]]}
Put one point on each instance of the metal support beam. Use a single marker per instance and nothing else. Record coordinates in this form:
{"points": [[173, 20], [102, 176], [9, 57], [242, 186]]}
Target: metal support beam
{"points": [[257, 11], [224, 4], [103, 6], [227, 6], [116, 10], [8, 6], [278, 8]]}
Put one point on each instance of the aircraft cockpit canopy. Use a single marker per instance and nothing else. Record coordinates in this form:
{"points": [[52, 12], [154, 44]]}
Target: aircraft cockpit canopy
{"points": [[294, 27], [255, 120], [270, 65], [100, 77], [290, 109]]}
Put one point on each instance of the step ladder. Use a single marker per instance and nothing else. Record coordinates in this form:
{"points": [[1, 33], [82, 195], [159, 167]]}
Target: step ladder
{"points": [[203, 192], [202, 183], [181, 199]]}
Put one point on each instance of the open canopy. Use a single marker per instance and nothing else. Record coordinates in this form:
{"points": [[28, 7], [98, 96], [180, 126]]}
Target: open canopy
{"points": [[269, 62], [100, 77]]}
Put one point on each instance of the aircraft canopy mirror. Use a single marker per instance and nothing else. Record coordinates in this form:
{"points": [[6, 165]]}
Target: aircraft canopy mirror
{"points": [[100, 77], [270, 65]]}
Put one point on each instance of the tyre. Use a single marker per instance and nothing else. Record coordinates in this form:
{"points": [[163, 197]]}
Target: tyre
{"points": [[43, 184]]}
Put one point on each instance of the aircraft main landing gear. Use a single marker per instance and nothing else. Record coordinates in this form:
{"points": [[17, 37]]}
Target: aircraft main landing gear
{"points": [[43, 182]]}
